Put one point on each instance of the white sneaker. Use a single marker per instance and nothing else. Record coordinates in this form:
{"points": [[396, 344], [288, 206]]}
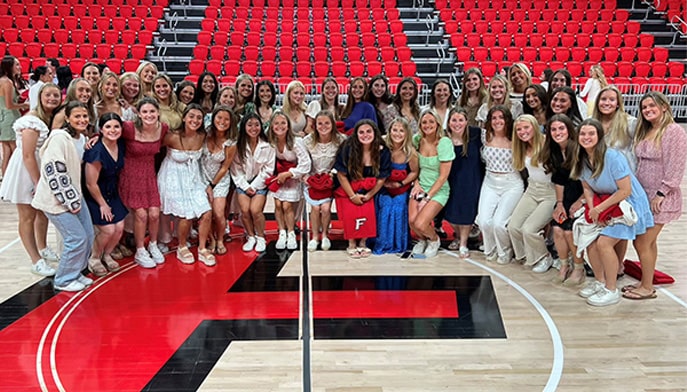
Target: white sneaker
{"points": [[312, 245], [326, 244], [42, 268], [227, 229], [155, 253], [49, 255], [163, 247], [281, 241], [543, 265], [143, 258], [556, 263], [260, 244], [432, 248], [503, 260], [249, 245], [591, 288], [419, 247], [291, 243], [491, 256], [86, 281], [604, 297], [74, 285]]}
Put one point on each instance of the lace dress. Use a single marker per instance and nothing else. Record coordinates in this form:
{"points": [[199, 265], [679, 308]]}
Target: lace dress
{"points": [[211, 163], [182, 186], [17, 186]]}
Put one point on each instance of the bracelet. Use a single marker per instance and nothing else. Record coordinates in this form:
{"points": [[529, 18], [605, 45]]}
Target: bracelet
{"points": [[351, 197], [401, 183]]}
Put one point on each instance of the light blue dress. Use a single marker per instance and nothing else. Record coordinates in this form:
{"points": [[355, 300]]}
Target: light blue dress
{"points": [[616, 168]]}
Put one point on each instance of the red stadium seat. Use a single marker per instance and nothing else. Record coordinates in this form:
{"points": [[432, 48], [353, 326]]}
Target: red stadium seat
{"points": [[339, 68], [562, 53], [115, 65], [76, 64], [609, 68], [513, 54], [627, 54], [196, 67], [625, 69], [659, 69], [646, 40], [249, 67], [52, 50], [268, 53], [480, 53], [644, 54], [642, 68], [545, 54], [611, 53], [130, 65], [575, 68], [391, 69], [86, 51], [496, 53], [408, 68], [234, 52], [120, 51], [660, 54], [285, 68], [676, 69], [595, 54], [322, 68], [103, 51]]}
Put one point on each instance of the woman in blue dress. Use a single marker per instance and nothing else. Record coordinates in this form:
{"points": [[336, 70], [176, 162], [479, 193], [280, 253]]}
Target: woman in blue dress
{"points": [[605, 171], [392, 202], [103, 163], [357, 108], [465, 179]]}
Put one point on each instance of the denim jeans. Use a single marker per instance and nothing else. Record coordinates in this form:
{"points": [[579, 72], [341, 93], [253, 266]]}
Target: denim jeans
{"points": [[77, 233]]}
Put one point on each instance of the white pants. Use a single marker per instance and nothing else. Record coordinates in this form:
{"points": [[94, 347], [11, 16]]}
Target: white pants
{"points": [[499, 195]]}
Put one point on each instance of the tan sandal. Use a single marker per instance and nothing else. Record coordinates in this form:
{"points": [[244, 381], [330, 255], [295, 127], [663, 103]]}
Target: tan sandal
{"points": [[353, 253], [111, 265], [206, 257], [221, 249], [570, 281], [96, 267], [185, 256]]}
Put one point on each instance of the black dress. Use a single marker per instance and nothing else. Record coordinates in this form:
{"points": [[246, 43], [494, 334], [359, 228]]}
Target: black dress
{"points": [[465, 180]]}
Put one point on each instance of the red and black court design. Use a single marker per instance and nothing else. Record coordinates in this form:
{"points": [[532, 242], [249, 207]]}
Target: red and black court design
{"points": [[165, 329]]}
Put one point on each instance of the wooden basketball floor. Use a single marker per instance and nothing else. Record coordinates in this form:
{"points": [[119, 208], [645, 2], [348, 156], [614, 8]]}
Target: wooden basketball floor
{"points": [[288, 321]]}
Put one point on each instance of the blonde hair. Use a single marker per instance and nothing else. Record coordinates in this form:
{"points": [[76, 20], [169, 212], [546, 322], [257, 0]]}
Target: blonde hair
{"points": [[440, 130], [465, 137], [644, 126], [173, 102], [520, 147], [288, 105], [506, 84], [523, 68], [596, 71], [132, 75], [618, 133], [103, 79], [407, 146]]}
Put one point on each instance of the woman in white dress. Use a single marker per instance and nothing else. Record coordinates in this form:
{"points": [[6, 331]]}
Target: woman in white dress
{"points": [[322, 146], [184, 192], [218, 153], [294, 107], [22, 175], [293, 162]]}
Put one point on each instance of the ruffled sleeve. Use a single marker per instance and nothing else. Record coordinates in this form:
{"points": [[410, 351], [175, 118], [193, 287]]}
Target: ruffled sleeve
{"points": [[94, 154], [445, 150], [30, 122], [617, 164]]}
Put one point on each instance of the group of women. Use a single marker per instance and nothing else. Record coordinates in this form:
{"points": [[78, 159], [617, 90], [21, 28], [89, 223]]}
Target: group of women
{"points": [[512, 157]]}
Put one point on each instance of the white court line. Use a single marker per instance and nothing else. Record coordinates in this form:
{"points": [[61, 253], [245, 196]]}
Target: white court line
{"points": [[80, 296], [558, 355], [673, 297], [11, 244]]}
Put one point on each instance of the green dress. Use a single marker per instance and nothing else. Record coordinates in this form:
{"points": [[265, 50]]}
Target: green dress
{"points": [[7, 118], [429, 167]]}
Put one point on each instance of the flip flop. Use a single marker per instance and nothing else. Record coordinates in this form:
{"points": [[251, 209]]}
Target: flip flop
{"points": [[454, 245], [630, 287], [635, 296], [353, 253]]}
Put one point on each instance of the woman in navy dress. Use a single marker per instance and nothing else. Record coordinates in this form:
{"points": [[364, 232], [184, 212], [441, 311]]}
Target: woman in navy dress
{"points": [[465, 179], [103, 163]]}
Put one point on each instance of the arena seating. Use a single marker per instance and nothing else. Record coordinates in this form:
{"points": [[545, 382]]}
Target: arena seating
{"points": [[111, 31], [550, 34], [304, 39]]}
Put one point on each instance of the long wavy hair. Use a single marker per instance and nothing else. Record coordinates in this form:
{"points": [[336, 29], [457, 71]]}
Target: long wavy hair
{"points": [[644, 126], [199, 94], [465, 137], [355, 161], [273, 91], [146, 100], [242, 140], [508, 117], [580, 158], [398, 101], [272, 138], [337, 138], [618, 133], [432, 98], [232, 132], [481, 92], [552, 155], [573, 112], [350, 102], [71, 106], [520, 147], [540, 92], [506, 85], [407, 145]]}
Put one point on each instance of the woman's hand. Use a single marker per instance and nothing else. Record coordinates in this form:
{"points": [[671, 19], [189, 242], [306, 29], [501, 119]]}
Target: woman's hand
{"points": [[559, 214], [416, 189], [210, 193], [283, 177], [357, 199], [250, 191], [656, 204], [106, 213], [574, 207], [91, 142], [594, 215]]}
